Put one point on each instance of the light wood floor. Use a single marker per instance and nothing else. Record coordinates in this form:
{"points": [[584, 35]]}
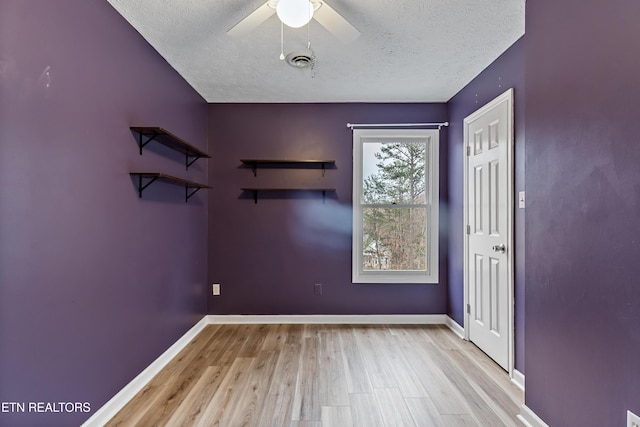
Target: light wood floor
{"points": [[325, 376]]}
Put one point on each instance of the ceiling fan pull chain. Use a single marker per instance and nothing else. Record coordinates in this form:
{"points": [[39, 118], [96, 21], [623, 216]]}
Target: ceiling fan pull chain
{"points": [[281, 41]]}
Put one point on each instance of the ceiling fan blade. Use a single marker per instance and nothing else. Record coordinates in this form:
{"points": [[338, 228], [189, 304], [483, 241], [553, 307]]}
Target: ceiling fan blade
{"points": [[254, 19], [336, 24]]}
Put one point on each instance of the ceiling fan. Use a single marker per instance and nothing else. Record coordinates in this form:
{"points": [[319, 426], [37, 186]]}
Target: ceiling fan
{"points": [[296, 13]]}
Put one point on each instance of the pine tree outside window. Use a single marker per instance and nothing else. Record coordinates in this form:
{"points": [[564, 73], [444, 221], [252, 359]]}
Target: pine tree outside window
{"points": [[395, 206]]}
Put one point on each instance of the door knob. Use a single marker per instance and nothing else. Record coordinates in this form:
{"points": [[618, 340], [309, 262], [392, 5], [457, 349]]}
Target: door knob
{"points": [[499, 248]]}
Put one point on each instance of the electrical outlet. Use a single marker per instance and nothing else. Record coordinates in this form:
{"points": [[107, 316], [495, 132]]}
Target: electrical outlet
{"points": [[317, 289], [215, 288], [632, 419]]}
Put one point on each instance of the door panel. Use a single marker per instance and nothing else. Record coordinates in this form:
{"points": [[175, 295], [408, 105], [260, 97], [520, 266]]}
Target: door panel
{"points": [[477, 313], [494, 299], [494, 198], [478, 193]]}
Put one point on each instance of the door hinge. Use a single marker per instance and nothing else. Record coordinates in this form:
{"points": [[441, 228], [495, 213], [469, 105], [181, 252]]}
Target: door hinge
{"points": [[468, 150], [468, 308], [468, 229]]}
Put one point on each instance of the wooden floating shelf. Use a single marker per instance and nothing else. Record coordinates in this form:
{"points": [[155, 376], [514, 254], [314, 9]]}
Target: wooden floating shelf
{"points": [[166, 138], [255, 163], [170, 179], [256, 190]]}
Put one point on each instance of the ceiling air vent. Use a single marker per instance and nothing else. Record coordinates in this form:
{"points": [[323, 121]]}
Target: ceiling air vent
{"points": [[300, 59]]}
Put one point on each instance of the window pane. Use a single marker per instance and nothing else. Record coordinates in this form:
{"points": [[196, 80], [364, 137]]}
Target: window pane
{"points": [[394, 172], [394, 239]]}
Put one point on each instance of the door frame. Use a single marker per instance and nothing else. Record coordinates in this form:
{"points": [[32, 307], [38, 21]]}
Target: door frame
{"points": [[508, 98]]}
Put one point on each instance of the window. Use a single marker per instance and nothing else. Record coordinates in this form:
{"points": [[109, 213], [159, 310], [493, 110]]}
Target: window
{"points": [[395, 206]]}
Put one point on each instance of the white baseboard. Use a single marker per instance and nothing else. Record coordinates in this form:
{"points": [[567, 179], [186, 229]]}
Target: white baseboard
{"points": [[326, 319], [455, 327], [529, 418], [117, 402], [518, 379]]}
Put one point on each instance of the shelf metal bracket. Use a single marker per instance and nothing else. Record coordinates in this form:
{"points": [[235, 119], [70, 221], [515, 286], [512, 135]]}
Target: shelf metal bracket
{"points": [[142, 187], [189, 163], [187, 194], [142, 144]]}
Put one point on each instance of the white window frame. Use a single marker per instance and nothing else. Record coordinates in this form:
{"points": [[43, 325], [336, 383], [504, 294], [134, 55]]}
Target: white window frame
{"points": [[430, 274]]}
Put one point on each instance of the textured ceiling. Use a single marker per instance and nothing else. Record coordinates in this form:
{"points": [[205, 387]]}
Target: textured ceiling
{"points": [[408, 50]]}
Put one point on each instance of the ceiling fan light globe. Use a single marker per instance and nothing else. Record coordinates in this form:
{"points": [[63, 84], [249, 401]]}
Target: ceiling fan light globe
{"points": [[294, 13]]}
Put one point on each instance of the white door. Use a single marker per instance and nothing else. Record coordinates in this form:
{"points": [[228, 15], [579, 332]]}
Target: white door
{"points": [[488, 135]]}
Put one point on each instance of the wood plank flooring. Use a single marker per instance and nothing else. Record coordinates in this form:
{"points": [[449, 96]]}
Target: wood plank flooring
{"points": [[326, 376]]}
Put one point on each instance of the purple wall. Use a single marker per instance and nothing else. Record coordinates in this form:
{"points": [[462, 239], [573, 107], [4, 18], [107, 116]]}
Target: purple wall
{"points": [[505, 72], [87, 300], [269, 255], [583, 206], [94, 282]]}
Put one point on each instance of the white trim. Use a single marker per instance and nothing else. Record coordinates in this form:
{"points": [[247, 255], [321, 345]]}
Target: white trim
{"points": [[507, 96], [518, 379], [455, 327], [529, 418], [431, 139], [326, 319], [117, 402]]}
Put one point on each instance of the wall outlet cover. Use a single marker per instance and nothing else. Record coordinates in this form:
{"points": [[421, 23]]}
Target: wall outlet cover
{"points": [[632, 419]]}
